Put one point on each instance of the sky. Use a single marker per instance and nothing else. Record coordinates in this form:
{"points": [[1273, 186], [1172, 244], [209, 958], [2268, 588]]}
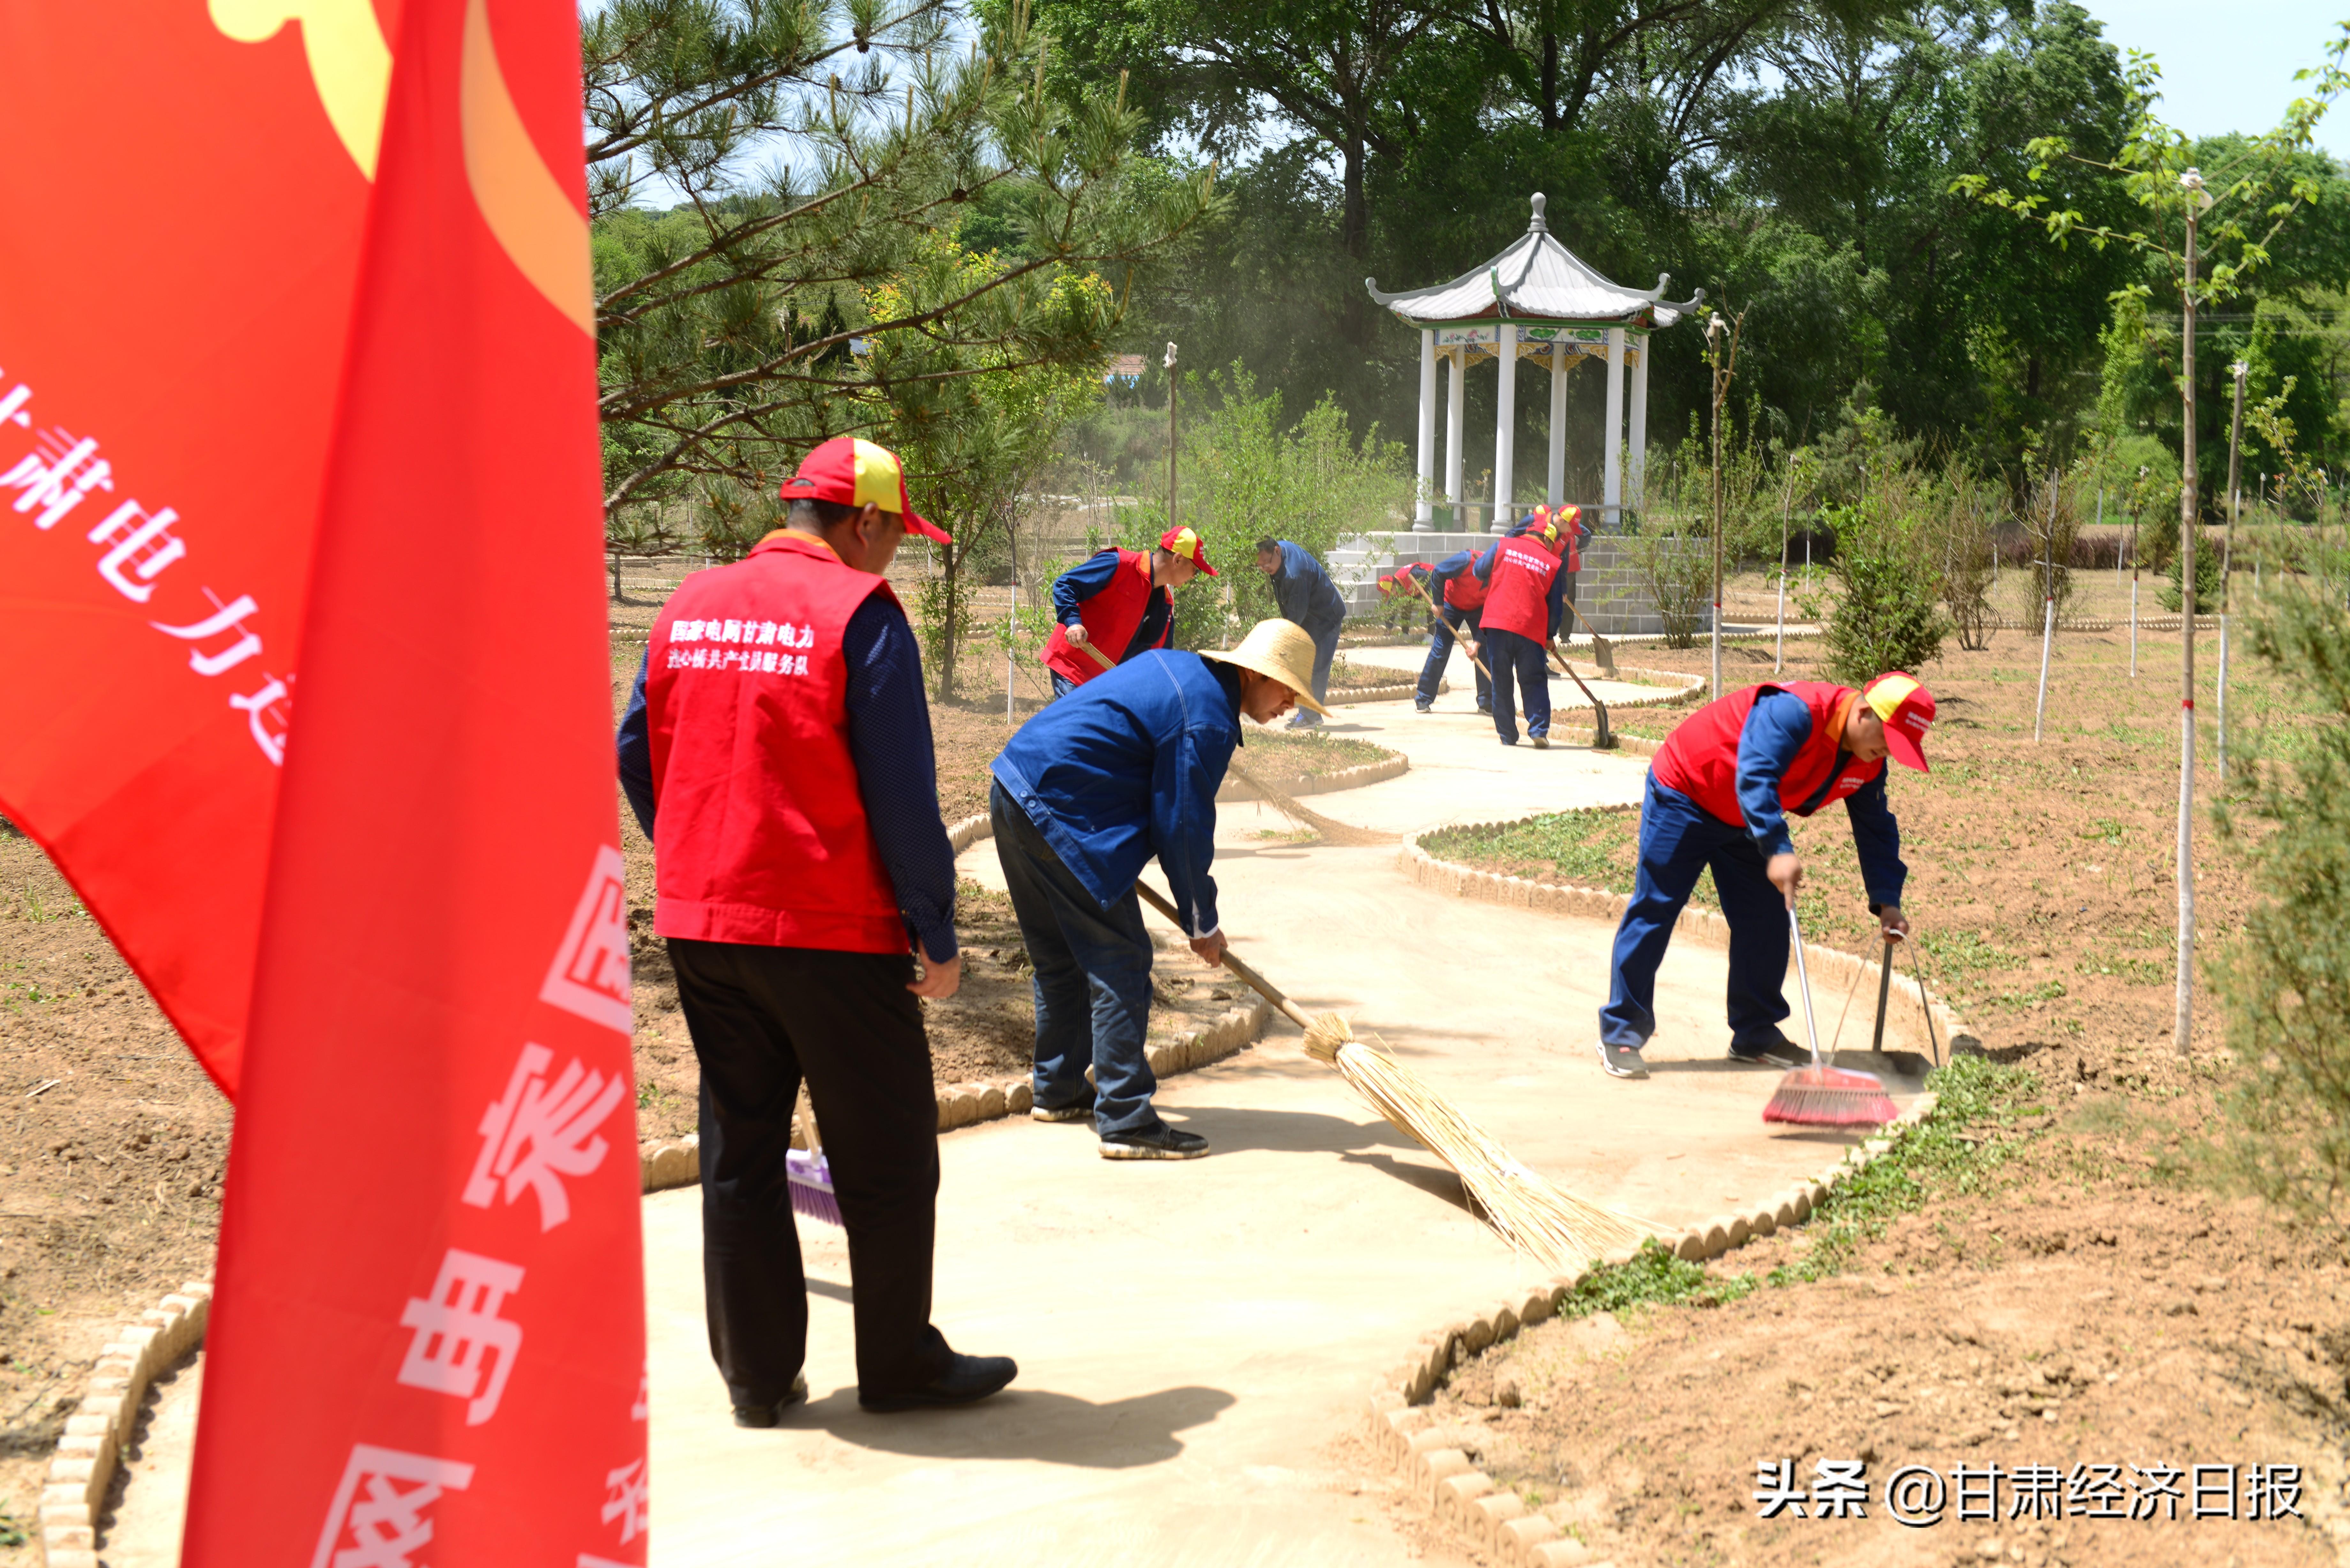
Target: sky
{"points": [[2229, 67]]}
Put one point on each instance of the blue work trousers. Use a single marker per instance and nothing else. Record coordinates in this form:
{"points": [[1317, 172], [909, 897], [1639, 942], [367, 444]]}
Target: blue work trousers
{"points": [[1680, 839], [1508, 654], [1091, 970], [1440, 652], [1326, 648]]}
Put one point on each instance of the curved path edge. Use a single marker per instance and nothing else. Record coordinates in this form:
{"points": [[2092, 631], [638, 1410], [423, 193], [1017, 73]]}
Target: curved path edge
{"points": [[1464, 1499], [90, 1452]]}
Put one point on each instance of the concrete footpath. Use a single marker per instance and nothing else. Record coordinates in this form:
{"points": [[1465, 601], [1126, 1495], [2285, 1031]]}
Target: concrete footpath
{"points": [[1196, 1339]]}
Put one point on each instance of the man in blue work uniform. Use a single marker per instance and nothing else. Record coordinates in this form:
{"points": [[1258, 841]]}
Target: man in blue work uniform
{"points": [[1124, 769], [1306, 597], [1720, 790], [1454, 597]]}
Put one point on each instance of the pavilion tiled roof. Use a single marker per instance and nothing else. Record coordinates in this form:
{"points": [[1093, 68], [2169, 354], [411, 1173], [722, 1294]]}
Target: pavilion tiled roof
{"points": [[1537, 278]]}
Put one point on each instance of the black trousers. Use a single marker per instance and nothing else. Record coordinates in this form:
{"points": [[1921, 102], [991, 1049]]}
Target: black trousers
{"points": [[761, 1017]]}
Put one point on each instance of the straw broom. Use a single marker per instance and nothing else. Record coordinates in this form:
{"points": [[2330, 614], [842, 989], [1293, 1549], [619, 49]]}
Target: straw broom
{"points": [[1335, 832], [1556, 1229]]}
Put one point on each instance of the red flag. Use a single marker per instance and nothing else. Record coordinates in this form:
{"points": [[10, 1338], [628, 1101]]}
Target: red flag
{"points": [[180, 241], [429, 1323]]}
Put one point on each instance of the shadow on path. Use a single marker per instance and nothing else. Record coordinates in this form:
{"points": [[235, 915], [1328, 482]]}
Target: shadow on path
{"points": [[1232, 1129], [1028, 1423]]}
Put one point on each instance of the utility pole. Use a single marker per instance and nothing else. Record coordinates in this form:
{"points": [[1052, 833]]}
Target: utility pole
{"points": [[2183, 1025], [1171, 435]]}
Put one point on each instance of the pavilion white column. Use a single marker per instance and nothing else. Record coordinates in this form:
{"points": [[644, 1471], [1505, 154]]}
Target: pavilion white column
{"points": [[1455, 407], [1423, 505], [1638, 438], [1557, 491], [1611, 488], [1506, 425]]}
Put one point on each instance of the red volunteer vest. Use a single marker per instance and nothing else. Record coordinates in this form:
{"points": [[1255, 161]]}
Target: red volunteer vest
{"points": [[1465, 592], [1109, 617], [761, 836], [1516, 599], [1699, 758]]}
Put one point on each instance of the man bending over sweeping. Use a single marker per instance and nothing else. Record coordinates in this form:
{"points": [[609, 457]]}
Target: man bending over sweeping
{"points": [[777, 753], [1122, 770], [1454, 597], [1719, 789]]}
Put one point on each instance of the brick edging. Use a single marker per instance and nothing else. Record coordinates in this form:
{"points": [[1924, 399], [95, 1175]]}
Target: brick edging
{"points": [[1464, 1499], [1388, 767], [664, 1163], [1380, 693], [1695, 924], [90, 1452]]}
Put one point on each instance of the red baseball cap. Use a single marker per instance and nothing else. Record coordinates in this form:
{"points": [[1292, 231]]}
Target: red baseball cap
{"points": [[1190, 546], [852, 470], [1908, 709]]}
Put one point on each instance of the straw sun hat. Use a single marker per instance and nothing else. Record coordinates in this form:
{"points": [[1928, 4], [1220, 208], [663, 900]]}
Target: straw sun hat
{"points": [[1281, 649]]}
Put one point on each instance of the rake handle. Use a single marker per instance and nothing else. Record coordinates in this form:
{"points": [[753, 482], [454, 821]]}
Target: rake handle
{"points": [[1104, 660], [1232, 961], [1804, 982], [1884, 990]]}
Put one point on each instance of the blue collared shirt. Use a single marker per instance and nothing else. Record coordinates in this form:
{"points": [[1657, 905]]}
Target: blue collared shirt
{"points": [[1775, 730], [1126, 768]]}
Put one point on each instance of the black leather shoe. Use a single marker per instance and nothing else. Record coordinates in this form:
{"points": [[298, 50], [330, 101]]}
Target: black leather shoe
{"points": [[1161, 1142], [967, 1380], [772, 1415]]}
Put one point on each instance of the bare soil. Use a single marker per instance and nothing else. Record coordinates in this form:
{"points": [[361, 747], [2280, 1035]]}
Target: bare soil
{"points": [[110, 1164], [2109, 1297]]}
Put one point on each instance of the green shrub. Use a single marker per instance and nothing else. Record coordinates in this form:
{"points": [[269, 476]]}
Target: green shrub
{"points": [[2285, 982], [1887, 613], [1677, 569]]}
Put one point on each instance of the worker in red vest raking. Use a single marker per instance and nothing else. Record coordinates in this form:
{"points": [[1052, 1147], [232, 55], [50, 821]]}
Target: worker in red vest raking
{"points": [[1526, 581], [777, 752], [1720, 790], [1118, 603]]}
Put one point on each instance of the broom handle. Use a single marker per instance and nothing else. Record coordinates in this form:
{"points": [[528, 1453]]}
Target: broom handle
{"points": [[1434, 622], [1232, 961], [1884, 990], [1804, 977], [1917, 967]]}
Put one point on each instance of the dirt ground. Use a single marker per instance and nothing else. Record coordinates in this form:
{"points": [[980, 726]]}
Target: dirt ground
{"points": [[2107, 1297], [110, 1164]]}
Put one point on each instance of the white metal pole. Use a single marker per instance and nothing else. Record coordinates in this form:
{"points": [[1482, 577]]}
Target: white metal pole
{"points": [[1423, 509], [1007, 685], [2047, 635]]}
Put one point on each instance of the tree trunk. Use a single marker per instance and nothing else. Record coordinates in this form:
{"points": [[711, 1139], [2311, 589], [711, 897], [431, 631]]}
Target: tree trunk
{"points": [[950, 608]]}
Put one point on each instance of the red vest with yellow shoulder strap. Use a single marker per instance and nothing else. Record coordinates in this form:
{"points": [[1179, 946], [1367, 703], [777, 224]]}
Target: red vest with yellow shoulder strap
{"points": [[1109, 617], [1465, 592], [1699, 758], [1517, 595], [761, 836]]}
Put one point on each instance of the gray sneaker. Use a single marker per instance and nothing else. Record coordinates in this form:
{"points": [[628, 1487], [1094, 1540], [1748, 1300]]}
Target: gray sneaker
{"points": [[1075, 1112], [1780, 1054], [1622, 1061], [1161, 1142]]}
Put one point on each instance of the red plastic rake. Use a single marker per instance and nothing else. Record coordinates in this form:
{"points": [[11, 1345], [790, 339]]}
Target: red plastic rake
{"points": [[1820, 1096]]}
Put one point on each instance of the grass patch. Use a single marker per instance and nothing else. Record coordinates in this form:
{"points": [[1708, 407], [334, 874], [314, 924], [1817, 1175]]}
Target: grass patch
{"points": [[1306, 753], [1928, 1156], [1578, 848]]}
